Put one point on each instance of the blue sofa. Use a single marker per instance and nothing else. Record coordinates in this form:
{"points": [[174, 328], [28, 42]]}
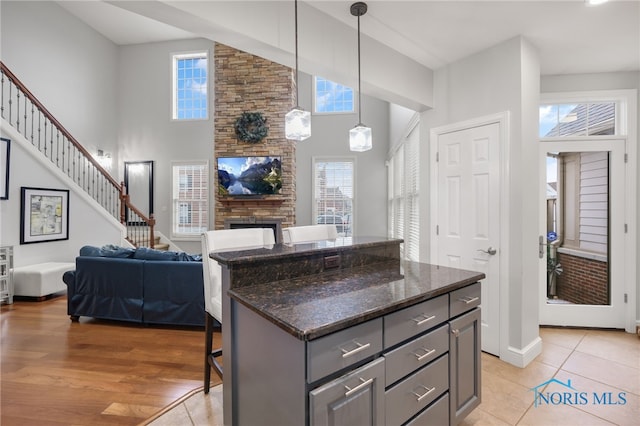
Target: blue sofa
{"points": [[137, 285]]}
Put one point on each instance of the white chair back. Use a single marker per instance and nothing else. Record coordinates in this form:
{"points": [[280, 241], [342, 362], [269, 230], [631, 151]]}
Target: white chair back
{"points": [[226, 239], [309, 233]]}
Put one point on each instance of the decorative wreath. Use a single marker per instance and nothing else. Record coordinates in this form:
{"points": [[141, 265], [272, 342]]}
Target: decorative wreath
{"points": [[251, 127]]}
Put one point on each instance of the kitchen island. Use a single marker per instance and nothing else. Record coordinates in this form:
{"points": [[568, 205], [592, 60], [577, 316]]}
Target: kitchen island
{"points": [[344, 332]]}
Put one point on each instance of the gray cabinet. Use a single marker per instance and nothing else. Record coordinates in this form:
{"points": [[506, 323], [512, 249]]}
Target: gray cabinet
{"points": [[464, 365], [6, 274], [417, 391], [419, 365], [356, 398], [436, 415], [342, 349]]}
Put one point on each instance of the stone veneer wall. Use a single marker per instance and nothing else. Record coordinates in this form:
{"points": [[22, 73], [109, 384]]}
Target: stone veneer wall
{"points": [[247, 83]]}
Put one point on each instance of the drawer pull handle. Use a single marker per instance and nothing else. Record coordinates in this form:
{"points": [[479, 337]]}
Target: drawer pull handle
{"points": [[426, 353], [468, 299], [424, 319], [361, 347], [357, 388], [428, 391]]}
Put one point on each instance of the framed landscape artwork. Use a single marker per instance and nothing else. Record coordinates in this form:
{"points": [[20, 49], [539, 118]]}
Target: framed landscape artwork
{"points": [[44, 215]]}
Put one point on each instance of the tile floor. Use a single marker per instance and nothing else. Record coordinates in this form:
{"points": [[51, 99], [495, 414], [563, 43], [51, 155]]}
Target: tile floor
{"points": [[601, 362]]}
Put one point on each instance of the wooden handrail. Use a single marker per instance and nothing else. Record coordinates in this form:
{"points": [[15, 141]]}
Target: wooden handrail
{"points": [[59, 126], [119, 188]]}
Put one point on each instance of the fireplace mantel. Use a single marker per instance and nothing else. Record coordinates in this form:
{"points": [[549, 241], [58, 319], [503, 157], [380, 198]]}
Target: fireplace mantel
{"points": [[251, 201]]}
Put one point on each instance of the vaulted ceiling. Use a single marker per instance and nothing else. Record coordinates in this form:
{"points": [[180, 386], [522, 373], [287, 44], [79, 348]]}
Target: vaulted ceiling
{"points": [[401, 39], [571, 36]]}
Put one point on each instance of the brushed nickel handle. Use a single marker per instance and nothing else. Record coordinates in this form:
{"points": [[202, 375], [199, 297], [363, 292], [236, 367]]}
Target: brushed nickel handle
{"points": [[468, 299], [360, 347], [424, 355], [490, 251], [424, 319], [357, 388], [455, 332], [421, 397]]}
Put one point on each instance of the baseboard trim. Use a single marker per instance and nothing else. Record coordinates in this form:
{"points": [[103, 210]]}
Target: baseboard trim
{"points": [[522, 357]]}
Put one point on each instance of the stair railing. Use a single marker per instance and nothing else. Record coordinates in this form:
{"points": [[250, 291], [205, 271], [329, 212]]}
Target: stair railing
{"points": [[25, 113]]}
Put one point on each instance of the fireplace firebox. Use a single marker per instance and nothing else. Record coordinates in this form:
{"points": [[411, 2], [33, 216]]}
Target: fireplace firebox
{"points": [[254, 222]]}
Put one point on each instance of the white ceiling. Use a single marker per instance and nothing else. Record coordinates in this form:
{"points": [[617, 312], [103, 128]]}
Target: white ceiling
{"points": [[571, 36]]}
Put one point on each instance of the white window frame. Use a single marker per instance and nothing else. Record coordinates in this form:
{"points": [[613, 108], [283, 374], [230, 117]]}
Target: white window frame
{"points": [[314, 210], [619, 98], [177, 185], [403, 174], [175, 57], [315, 94]]}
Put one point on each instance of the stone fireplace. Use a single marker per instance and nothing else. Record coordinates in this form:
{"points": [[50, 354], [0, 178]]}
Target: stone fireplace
{"points": [[247, 83]]}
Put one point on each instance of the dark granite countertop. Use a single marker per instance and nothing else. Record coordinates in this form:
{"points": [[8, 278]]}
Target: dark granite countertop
{"points": [[277, 251], [312, 306]]}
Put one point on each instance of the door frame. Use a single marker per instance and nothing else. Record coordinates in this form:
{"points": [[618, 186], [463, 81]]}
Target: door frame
{"points": [[502, 119], [628, 116], [606, 316]]}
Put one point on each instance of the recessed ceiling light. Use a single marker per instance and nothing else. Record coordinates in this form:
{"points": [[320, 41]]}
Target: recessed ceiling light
{"points": [[595, 2]]}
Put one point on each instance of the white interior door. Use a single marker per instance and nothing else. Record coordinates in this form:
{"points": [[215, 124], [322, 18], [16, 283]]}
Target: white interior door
{"points": [[468, 214], [579, 314]]}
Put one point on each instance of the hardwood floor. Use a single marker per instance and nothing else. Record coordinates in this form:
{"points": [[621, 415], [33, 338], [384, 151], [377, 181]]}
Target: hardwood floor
{"points": [[55, 372]]}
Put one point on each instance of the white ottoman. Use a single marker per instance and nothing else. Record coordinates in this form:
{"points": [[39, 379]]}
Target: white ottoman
{"points": [[41, 279]]}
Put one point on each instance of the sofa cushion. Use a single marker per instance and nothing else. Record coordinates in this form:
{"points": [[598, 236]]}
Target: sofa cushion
{"points": [[107, 251], [145, 253]]}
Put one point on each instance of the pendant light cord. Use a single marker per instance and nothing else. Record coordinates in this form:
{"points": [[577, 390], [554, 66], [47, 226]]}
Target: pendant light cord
{"points": [[359, 84], [296, 30]]}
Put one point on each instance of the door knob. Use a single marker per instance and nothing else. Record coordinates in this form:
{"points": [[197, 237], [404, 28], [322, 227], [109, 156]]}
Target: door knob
{"points": [[490, 251]]}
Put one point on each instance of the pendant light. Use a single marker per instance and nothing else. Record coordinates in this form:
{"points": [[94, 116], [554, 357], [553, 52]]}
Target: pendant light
{"points": [[297, 122], [359, 136]]}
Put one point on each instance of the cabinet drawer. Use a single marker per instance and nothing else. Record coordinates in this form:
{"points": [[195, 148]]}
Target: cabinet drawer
{"points": [[353, 399], [464, 299], [342, 349], [413, 320], [436, 415], [416, 353], [414, 393]]}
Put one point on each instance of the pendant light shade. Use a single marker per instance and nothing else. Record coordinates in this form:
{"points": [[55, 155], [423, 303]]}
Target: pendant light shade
{"points": [[297, 122], [360, 136]]}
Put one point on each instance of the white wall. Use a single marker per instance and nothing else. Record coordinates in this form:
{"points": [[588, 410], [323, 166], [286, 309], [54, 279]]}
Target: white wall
{"points": [[59, 58], [326, 46], [72, 70], [330, 138], [399, 120], [146, 130], [86, 225], [502, 78]]}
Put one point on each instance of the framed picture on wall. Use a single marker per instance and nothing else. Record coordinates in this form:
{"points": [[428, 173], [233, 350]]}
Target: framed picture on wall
{"points": [[44, 215], [5, 150]]}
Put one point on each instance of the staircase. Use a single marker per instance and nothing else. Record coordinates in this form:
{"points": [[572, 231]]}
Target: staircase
{"points": [[22, 110]]}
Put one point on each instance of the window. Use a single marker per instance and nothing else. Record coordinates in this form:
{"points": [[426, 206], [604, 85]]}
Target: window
{"points": [[190, 86], [403, 195], [577, 119], [184, 213], [330, 97], [190, 200], [333, 193]]}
